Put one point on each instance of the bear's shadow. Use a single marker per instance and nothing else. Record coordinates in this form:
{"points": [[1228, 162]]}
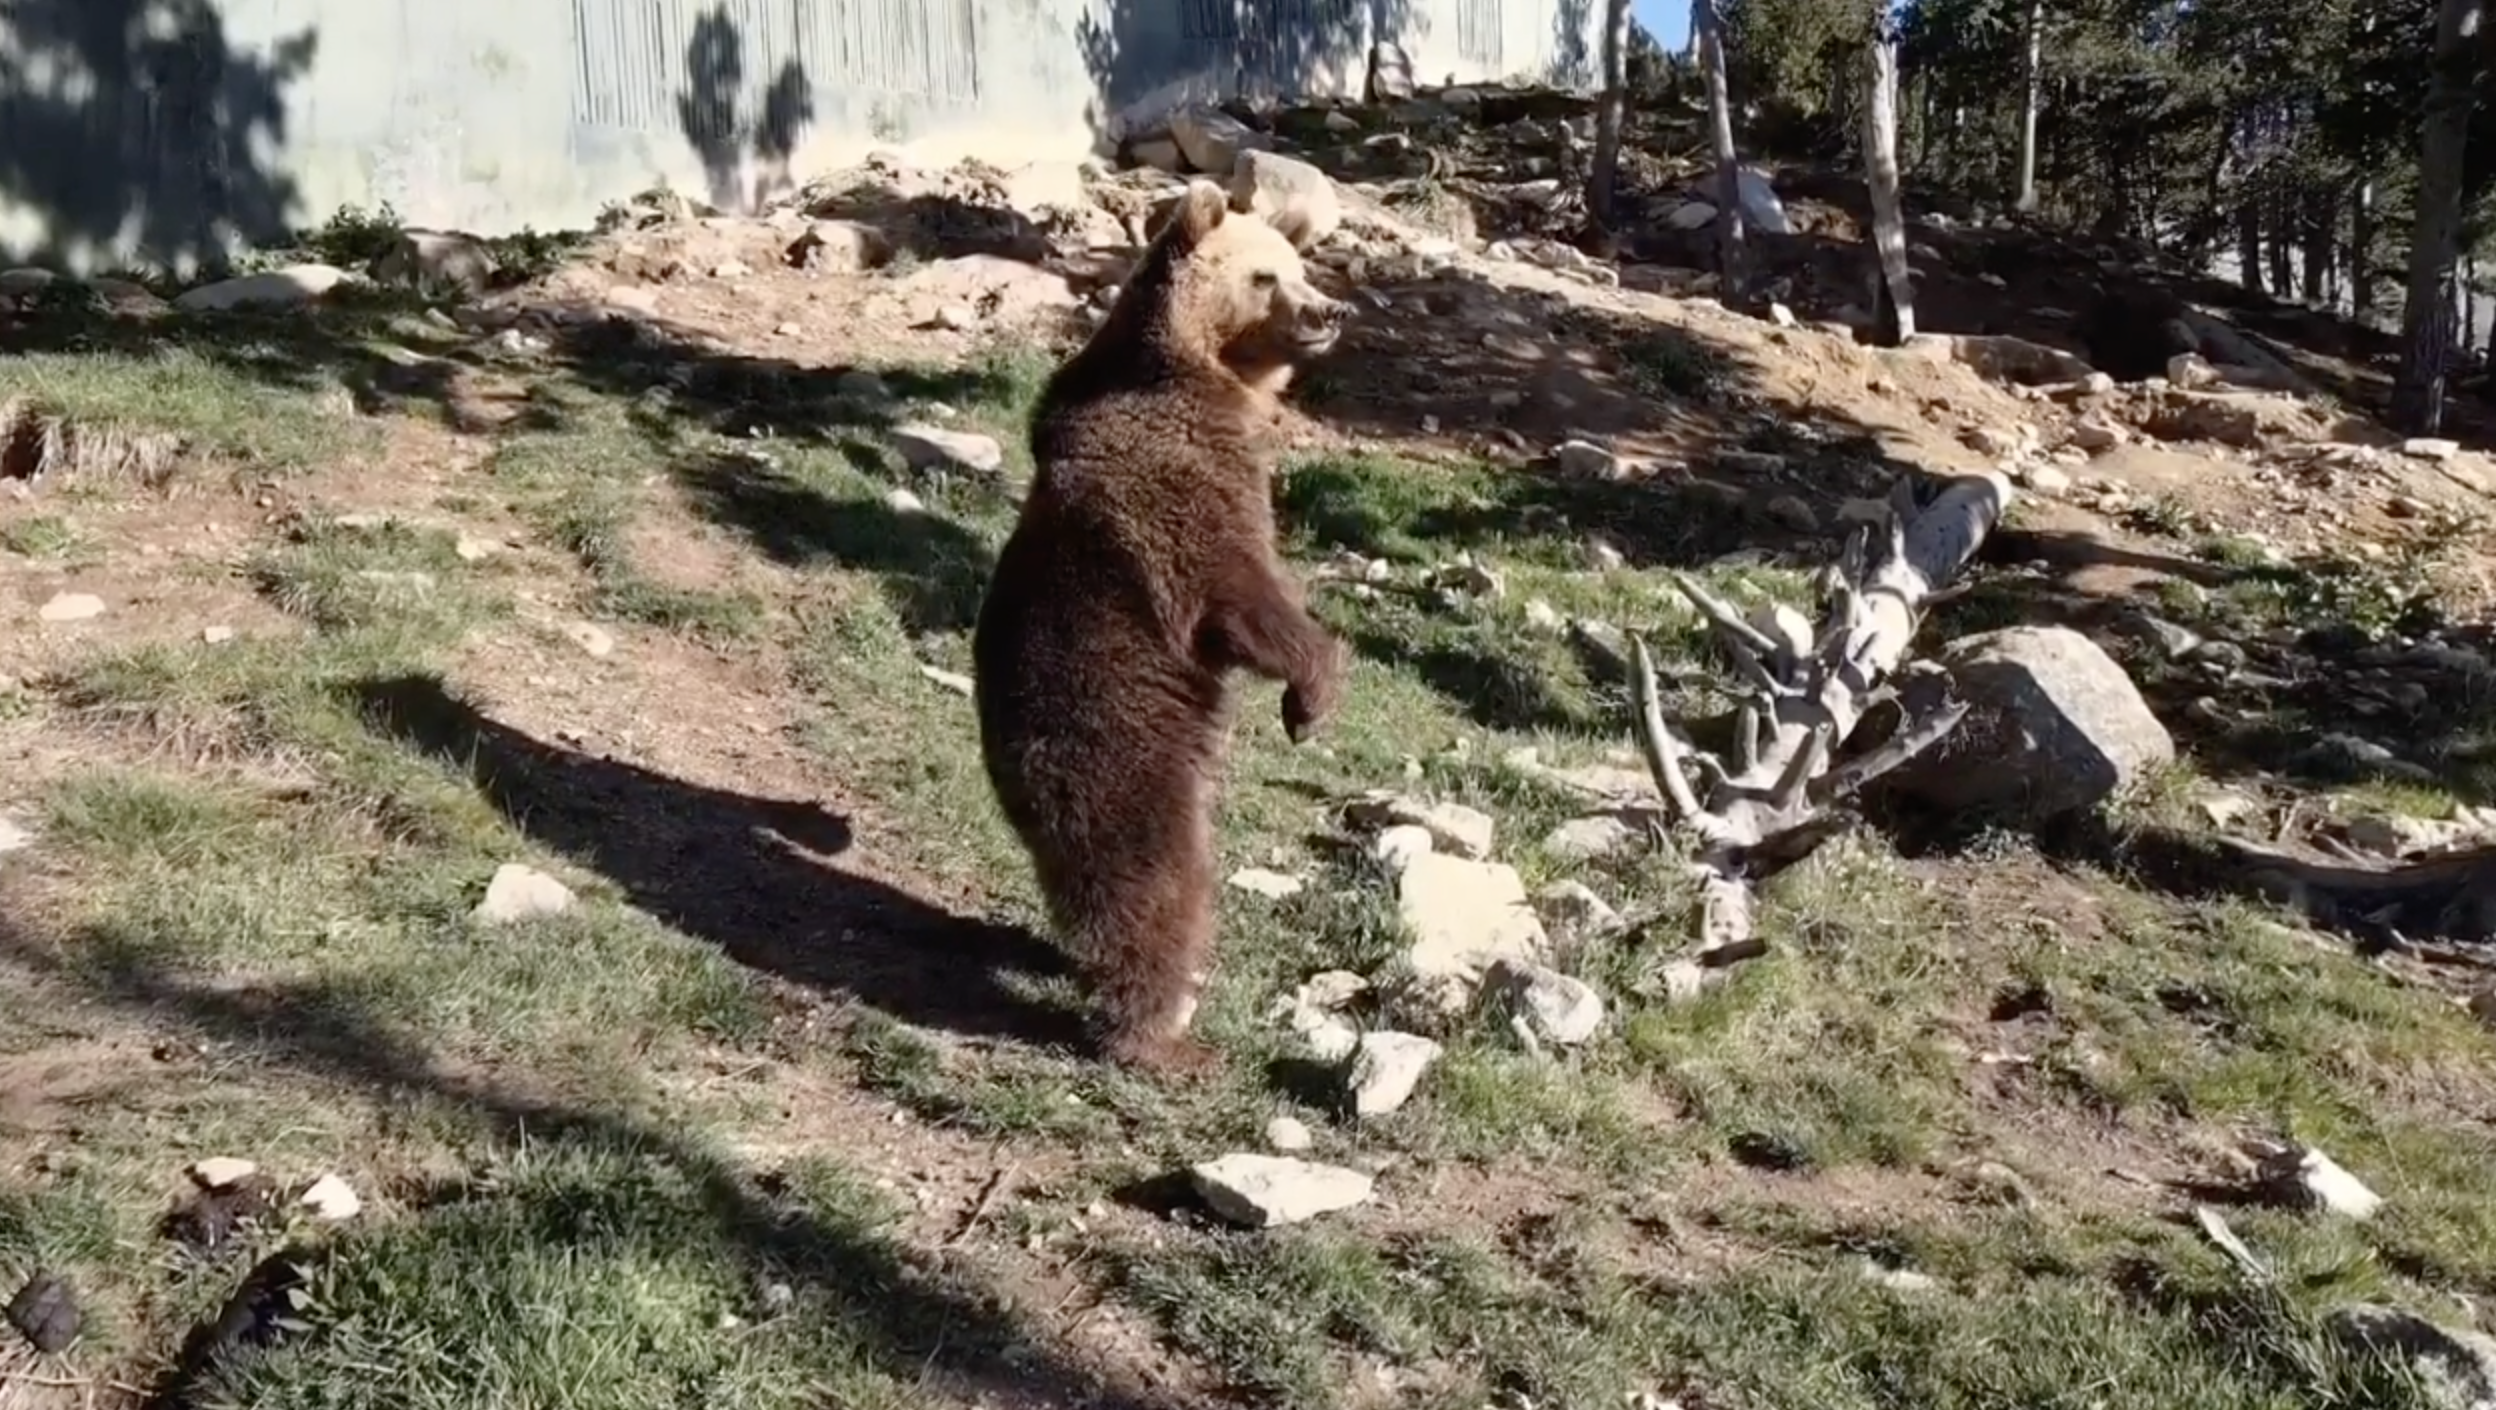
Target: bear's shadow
{"points": [[749, 875]]}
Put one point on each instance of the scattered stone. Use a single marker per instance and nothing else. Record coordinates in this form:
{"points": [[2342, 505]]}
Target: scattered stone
{"points": [[1294, 197], [1272, 885], [1574, 906], [1591, 838], [1690, 215], [927, 447], [71, 607], [1159, 153], [1602, 556], [46, 1313], [1267, 1191], [290, 287], [1397, 846], [2190, 371], [2456, 1368], [1541, 616], [840, 247], [2053, 725], [218, 1172], [1559, 1008], [1464, 916], [2395, 834], [632, 298], [591, 638], [1453, 827], [14, 838], [332, 1199], [1385, 1070], [1212, 140], [2047, 480], [1897, 1279], [903, 502], [954, 681], [1390, 73], [2305, 1177], [2430, 448], [1288, 1134], [1585, 460], [473, 550], [518, 893], [2093, 436]]}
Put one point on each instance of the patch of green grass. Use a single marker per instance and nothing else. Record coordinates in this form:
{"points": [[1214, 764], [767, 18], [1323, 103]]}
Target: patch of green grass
{"points": [[387, 577], [1563, 1316], [44, 536], [260, 392]]}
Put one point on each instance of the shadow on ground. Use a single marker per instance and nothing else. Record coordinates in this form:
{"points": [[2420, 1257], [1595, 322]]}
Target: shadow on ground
{"points": [[914, 1319], [750, 875]]}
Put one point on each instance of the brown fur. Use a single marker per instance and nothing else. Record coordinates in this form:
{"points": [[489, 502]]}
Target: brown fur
{"points": [[1141, 575]]}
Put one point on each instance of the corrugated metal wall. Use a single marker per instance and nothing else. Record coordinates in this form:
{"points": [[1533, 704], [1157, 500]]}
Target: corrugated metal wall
{"points": [[170, 136]]}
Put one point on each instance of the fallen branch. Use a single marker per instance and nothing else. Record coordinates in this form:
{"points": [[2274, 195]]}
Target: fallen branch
{"points": [[1777, 799]]}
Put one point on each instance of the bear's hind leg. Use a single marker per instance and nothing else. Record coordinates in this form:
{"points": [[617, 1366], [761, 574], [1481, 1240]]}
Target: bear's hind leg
{"points": [[1149, 950]]}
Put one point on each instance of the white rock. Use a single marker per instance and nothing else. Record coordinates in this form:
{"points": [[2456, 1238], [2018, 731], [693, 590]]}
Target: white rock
{"points": [[1294, 197], [632, 298], [1288, 1134], [217, 1172], [1453, 827], [1897, 1279], [2307, 1176], [1272, 885], [954, 681], [294, 285], [1559, 1008], [927, 447], [1585, 460], [1265, 1191], [904, 502], [1464, 915], [14, 838], [2048, 480], [1573, 905], [2095, 435], [1542, 617], [1211, 139], [1396, 847], [71, 607], [2189, 370], [1761, 209], [2430, 448], [1589, 838], [592, 638], [519, 893], [1386, 1067], [2053, 726], [216, 636], [330, 1198]]}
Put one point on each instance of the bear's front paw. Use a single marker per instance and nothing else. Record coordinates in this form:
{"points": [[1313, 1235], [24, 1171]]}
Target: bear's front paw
{"points": [[1307, 704]]}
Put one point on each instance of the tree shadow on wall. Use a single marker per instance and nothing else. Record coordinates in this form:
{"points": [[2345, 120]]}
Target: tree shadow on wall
{"points": [[1196, 49], [136, 125], [726, 129]]}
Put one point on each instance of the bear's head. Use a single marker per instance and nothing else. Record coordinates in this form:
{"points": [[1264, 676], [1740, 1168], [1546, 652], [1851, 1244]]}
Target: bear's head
{"points": [[1223, 284]]}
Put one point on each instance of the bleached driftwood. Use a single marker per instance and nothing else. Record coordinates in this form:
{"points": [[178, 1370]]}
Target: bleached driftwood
{"points": [[1778, 797]]}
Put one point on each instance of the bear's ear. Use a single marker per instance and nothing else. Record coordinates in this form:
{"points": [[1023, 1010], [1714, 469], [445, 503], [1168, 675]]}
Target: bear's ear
{"points": [[1199, 214]]}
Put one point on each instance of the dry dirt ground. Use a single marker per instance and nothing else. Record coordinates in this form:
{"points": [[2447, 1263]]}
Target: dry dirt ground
{"points": [[619, 574]]}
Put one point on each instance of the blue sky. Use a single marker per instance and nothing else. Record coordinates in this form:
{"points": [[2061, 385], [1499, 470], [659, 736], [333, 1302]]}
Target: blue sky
{"points": [[1667, 20]]}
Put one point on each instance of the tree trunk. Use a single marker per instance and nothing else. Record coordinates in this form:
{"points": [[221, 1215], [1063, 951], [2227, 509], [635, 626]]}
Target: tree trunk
{"points": [[1894, 303], [1730, 237], [2283, 244], [2249, 235], [2427, 313], [2361, 253], [2028, 109], [1603, 171], [2315, 245]]}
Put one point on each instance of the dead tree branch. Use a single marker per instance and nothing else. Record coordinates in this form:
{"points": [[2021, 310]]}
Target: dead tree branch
{"points": [[1778, 798]]}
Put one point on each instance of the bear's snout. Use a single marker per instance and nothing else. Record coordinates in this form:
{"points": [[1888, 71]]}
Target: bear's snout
{"points": [[1320, 319]]}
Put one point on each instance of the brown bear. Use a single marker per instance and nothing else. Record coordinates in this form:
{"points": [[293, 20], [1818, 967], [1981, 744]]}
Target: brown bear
{"points": [[1141, 574]]}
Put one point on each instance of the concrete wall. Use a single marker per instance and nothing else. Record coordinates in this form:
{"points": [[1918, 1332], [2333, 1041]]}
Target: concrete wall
{"points": [[164, 130]]}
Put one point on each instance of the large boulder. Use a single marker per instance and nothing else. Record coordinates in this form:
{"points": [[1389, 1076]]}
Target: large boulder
{"points": [[2053, 726], [1293, 196], [1212, 139], [2455, 1368]]}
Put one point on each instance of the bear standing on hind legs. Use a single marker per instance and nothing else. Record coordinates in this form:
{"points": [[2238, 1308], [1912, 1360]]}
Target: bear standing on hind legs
{"points": [[1141, 574]]}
